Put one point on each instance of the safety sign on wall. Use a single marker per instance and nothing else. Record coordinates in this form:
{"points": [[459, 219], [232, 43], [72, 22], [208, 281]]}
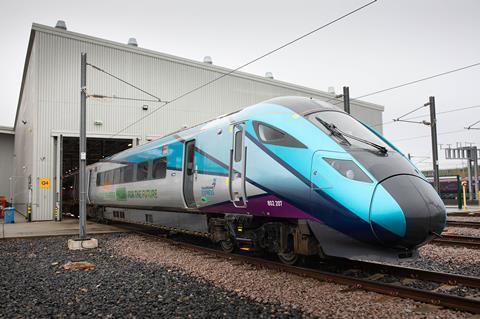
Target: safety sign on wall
{"points": [[45, 182]]}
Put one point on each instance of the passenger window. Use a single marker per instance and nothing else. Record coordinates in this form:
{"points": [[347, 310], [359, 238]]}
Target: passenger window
{"points": [[127, 173], [108, 178], [99, 179], [271, 135], [117, 176], [159, 168], [238, 146], [142, 171]]}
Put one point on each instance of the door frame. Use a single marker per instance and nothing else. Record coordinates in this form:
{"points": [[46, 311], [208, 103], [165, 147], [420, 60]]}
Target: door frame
{"points": [[188, 204], [238, 197]]}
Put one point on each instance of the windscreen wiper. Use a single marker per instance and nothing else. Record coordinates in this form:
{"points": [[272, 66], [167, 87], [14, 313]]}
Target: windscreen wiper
{"points": [[334, 131], [340, 134]]}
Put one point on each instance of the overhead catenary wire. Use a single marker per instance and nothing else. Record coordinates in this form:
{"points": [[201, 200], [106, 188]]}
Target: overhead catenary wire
{"points": [[415, 81], [471, 126], [438, 113], [157, 99], [408, 113], [423, 136], [114, 97], [242, 66], [445, 112]]}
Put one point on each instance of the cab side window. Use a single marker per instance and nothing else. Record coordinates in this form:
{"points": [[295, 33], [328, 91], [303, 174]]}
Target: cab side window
{"points": [[268, 134]]}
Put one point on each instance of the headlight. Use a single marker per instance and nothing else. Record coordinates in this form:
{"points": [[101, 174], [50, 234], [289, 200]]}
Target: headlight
{"points": [[348, 169]]}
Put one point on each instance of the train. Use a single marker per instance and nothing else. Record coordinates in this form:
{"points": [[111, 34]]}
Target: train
{"points": [[291, 176], [450, 186]]}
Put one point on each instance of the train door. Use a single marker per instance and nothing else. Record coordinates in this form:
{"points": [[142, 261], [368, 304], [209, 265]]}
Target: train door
{"points": [[318, 179], [238, 166], [189, 174], [89, 185]]}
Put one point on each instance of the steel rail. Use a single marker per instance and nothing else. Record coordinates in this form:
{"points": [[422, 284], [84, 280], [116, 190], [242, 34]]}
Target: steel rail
{"points": [[475, 213], [414, 273], [468, 224], [431, 297], [455, 240]]}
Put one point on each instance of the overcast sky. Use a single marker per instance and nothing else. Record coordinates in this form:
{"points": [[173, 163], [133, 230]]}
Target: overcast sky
{"points": [[388, 43]]}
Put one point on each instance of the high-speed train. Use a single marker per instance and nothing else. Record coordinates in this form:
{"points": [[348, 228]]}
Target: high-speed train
{"points": [[293, 176]]}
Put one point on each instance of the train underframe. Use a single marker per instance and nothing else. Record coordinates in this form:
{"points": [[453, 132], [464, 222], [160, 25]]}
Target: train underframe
{"points": [[290, 239]]}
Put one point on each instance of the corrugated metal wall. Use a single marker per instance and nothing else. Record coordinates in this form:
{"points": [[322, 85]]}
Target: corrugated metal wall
{"points": [[58, 101], [6, 160], [26, 137]]}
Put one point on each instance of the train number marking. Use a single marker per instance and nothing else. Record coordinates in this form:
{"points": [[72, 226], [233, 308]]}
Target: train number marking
{"points": [[274, 203]]}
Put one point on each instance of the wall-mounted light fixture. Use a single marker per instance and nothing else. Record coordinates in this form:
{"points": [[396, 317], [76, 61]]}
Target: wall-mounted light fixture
{"points": [[145, 107], [98, 122]]}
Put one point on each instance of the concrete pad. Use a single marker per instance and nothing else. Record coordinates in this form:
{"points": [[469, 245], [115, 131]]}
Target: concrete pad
{"points": [[79, 244], [66, 227]]}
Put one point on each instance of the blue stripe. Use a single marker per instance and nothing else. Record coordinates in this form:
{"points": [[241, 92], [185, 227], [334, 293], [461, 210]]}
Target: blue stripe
{"points": [[278, 159]]}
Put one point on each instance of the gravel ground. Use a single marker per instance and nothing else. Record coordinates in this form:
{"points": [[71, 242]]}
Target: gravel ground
{"points": [[35, 284], [313, 297], [462, 231], [457, 260]]}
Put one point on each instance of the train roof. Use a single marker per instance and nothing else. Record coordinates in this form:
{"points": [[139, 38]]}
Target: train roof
{"points": [[297, 104], [303, 105]]}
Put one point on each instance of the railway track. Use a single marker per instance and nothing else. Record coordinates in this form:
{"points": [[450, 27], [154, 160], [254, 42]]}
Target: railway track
{"points": [[468, 224], [455, 240], [475, 213], [373, 282]]}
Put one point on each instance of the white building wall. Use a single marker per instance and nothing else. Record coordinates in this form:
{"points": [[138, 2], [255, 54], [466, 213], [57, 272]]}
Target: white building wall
{"points": [[56, 97]]}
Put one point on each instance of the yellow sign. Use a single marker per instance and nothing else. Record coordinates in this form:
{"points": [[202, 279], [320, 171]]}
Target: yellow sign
{"points": [[45, 182]]}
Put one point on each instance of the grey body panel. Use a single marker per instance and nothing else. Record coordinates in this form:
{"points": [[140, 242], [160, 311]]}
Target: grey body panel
{"points": [[423, 209], [336, 244], [168, 190], [184, 221]]}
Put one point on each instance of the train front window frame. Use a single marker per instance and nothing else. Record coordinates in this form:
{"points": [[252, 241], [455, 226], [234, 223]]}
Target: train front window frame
{"points": [[269, 134], [346, 123]]}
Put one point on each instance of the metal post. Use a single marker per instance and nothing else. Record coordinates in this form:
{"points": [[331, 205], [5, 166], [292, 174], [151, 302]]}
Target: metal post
{"points": [[469, 170], [475, 170], [433, 127], [30, 199], [459, 192], [83, 145], [346, 99]]}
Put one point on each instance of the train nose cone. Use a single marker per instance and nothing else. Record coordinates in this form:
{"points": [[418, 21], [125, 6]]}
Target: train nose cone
{"points": [[406, 212]]}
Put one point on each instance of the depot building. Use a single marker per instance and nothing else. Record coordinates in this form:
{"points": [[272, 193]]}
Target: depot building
{"points": [[46, 127]]}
